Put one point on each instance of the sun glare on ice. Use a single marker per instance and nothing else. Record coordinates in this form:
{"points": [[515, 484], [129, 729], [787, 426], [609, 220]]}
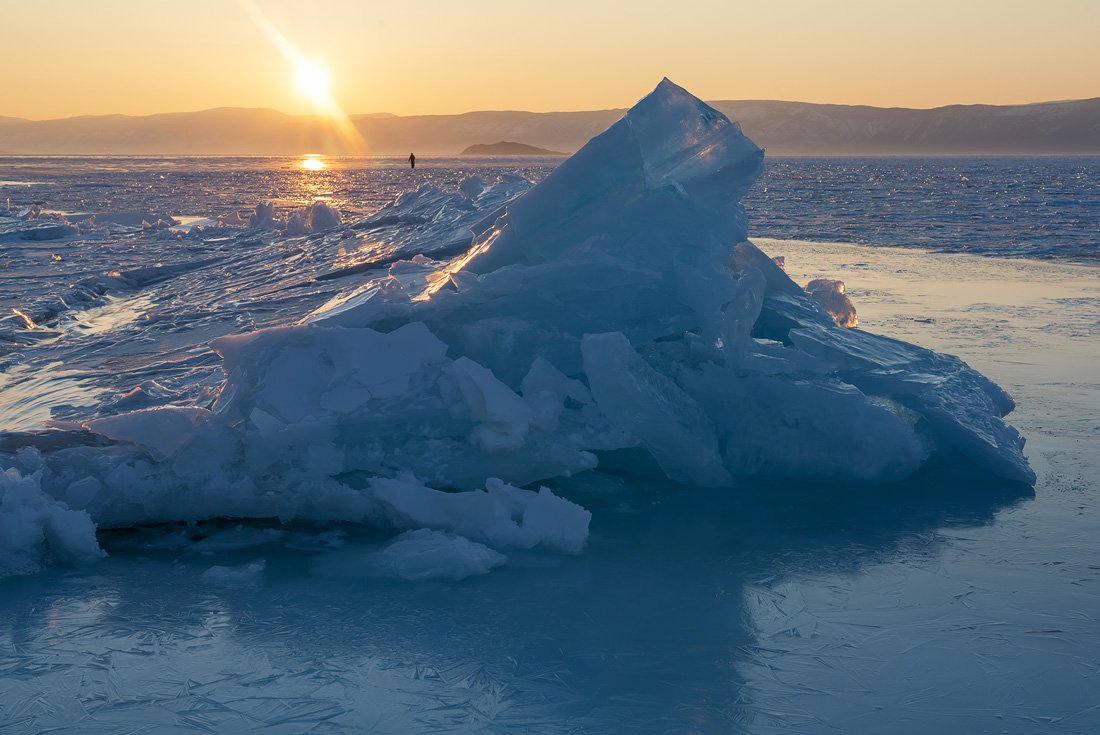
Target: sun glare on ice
{"points": [[312, 81], [312, 162]]}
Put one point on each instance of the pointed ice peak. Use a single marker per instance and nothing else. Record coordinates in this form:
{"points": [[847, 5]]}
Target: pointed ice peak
{"points": [[616, 187], [681, 137], [667, 86], [665, 89]]}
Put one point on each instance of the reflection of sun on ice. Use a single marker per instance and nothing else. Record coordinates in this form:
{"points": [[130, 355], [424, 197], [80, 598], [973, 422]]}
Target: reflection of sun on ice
{"points": [[312, 162], [312, 81]]}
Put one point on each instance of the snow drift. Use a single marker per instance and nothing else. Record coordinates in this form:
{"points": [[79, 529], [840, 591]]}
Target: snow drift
{"points": [[615, 307]]}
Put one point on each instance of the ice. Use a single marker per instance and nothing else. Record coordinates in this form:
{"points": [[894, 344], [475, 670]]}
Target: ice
{"points": [[234, 219], [590, 251], [19, 229], [502, 515], [245, 575], [650, 408], [506, 337], [310, 371], [502, 416], [143, 396], [767, 606], [162, 431], [671, 163], [803, 428], [430, 221], [961, 408], [830, 294], [36, 528], [414, 555], [263, 217], [317, 217]]}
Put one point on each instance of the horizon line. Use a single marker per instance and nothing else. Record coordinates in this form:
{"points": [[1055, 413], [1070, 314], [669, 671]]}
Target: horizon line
{"points": [[534, 112]]}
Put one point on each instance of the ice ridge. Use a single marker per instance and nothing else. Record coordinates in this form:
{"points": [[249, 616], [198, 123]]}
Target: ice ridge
{"points": [[615, 307]]}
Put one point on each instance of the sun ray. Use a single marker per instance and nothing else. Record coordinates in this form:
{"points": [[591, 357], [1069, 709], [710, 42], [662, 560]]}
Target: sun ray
{"points": [[312, 80]]}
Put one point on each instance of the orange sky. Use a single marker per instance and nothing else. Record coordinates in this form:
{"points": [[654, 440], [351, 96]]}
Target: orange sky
{"points": [[74, 57]]}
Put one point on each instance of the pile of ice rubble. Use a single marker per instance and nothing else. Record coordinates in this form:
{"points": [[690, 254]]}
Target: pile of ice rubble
{"points": [[614, 310]]}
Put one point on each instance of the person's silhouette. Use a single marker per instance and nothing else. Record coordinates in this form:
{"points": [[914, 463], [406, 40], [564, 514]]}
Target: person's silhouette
{"points": [[412, 161]]}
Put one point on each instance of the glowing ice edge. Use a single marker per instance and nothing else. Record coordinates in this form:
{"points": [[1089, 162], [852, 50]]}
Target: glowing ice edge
{"points": [[615, 306]]}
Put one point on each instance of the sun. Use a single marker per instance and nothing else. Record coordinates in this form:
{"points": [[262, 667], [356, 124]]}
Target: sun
{"points": [[312, 81]]}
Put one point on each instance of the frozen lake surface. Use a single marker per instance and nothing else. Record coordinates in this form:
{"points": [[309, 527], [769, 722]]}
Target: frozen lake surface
{"points": [[948, 602], [1039, 207]]}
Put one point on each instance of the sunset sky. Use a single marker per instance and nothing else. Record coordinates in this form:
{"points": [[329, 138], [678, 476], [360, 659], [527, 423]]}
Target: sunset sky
{"points": [[75, 57]]}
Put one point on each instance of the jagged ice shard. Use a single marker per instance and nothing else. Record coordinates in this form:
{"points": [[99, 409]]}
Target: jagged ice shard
{"points": [[628, 269], [615, 310]]}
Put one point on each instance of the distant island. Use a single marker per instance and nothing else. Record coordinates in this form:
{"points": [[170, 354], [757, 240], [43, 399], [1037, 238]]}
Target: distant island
{"points": [[508, 148]]}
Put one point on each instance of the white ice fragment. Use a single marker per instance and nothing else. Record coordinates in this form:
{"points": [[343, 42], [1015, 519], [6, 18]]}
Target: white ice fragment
{"points": [[162, 431], [267, 425], [414, 555], [82, 492], [471, 187], [263, 217], [546, 390], [144, 395], [245, 575], [297, 223], [29, 458], [233, 219], [314, 218], [830, 294], [740, 313], [35, 528], [379, 299], [668, 422], [502, 417], [502, 515], [322, 216], [297, 372]]}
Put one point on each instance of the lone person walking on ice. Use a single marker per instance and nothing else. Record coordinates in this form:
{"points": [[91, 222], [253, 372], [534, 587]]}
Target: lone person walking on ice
{"points": [[412, 161]]}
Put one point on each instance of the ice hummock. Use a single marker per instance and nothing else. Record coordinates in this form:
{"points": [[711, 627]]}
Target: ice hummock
{"points": [[615, 309]]}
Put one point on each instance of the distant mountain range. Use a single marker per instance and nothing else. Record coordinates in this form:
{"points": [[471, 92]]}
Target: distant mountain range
{"points": [[783, 128]]}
